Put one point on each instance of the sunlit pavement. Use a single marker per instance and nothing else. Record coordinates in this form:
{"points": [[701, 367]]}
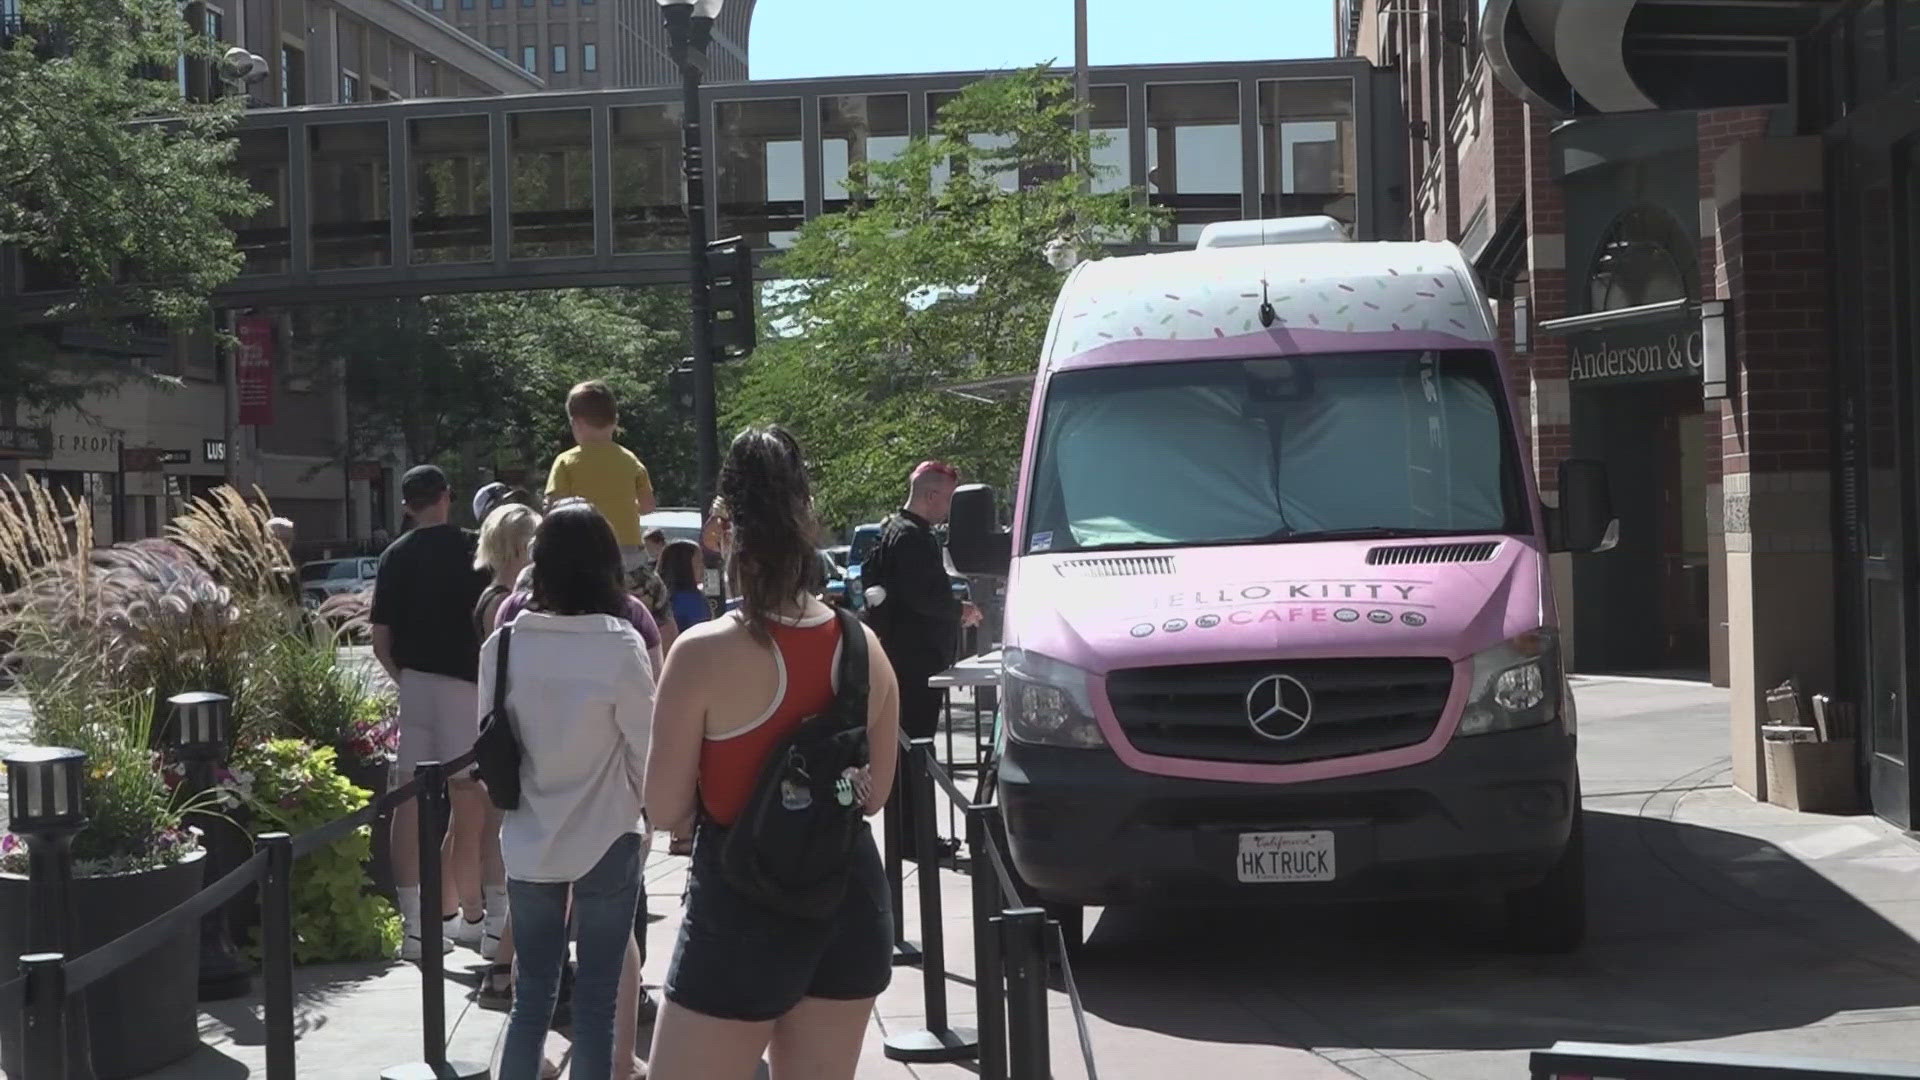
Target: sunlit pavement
{"points": [[1716, 922]]}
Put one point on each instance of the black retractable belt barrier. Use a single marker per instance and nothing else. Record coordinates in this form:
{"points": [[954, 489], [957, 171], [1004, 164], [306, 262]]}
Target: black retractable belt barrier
{"points": [[1023, 936], [893, 829], [433, 806], [45, 1019], [276, 946], [989, 982], [937, 1041]]}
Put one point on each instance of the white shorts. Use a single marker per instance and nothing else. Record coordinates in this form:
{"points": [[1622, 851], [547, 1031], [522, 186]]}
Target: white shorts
{"points": [[439, 719]]}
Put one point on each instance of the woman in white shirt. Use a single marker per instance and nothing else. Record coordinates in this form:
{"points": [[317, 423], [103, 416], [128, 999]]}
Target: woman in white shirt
{"points": [[580, 698]]}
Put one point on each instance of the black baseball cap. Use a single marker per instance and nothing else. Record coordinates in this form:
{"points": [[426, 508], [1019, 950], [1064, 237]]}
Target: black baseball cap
{"points": [[423, 485]]}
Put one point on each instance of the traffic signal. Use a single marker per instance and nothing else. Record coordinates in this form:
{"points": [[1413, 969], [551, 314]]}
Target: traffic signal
{"points": [[680, 384], [730, 291]]}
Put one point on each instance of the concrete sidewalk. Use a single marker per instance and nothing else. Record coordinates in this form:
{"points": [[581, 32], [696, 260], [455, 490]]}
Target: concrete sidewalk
{"points": [[1715, 922]]}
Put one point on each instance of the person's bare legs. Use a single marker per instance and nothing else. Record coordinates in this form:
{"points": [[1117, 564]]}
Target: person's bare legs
{"points": [[819, 1039], [465, 837], [689, 1046], [403, 852], [626, 1009]]}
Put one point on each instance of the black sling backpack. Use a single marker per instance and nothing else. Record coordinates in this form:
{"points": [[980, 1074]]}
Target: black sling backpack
{"points": [[791, 850]]}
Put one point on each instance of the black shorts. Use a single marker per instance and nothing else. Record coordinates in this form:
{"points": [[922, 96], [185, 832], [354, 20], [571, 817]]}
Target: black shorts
{"points": [[736, 960]]}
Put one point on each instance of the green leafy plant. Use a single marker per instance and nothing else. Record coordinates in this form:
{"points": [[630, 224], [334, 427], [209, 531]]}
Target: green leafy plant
{"points": [[299, 688], [133, 818], [296, 787]]}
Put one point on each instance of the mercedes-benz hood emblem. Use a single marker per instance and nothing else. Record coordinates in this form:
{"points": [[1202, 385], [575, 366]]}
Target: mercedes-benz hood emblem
{"points": [[1279, 707]]}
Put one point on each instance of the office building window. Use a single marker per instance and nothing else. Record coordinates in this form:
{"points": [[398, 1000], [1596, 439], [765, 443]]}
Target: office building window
{"points": [[529, 57], [349, 88], [759, 175], [293, 76], [466, 5], [559, 59], [500, 51], [1193, 155], [496, 4], [1308, 161], [589, 57], [437, 5], [858, 130]]}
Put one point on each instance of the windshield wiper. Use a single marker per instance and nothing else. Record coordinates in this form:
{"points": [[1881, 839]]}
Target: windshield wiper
{"points": [[1369, 532]]}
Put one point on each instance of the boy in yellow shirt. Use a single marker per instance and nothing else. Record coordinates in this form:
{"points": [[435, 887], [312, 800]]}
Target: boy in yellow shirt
{"points": [[602, 471]]}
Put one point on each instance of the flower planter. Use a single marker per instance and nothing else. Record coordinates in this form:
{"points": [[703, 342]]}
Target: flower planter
{"points": [[144, 1016], [375, 777]]}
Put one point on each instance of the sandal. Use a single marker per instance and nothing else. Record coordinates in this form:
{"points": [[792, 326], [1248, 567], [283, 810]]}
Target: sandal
{"points": [[496, 987], [680, 847]]}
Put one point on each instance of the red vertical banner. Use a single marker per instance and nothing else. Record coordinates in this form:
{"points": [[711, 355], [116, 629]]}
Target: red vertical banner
{"points": [[253, 369]]}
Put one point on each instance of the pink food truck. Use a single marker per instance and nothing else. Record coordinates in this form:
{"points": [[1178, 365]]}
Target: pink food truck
{"points": [[1280, 620]]}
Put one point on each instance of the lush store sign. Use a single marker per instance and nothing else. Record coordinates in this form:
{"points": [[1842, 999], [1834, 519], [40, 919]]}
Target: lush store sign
{"points": [[1635, 353]]}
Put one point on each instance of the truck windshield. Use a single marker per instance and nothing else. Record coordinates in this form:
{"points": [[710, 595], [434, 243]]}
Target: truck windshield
{"points": [[1349, 445]]}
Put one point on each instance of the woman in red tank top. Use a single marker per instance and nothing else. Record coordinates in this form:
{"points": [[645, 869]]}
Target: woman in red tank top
{"points": [[747, 980]]}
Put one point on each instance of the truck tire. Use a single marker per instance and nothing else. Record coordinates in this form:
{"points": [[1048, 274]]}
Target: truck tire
{"points": [[1550, 917]]}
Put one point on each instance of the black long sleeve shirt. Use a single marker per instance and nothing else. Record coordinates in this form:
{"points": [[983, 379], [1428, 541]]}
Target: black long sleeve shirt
{"points": [[919, 621]]}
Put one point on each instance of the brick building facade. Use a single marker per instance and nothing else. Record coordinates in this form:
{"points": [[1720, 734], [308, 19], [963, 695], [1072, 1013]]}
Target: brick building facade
{"points": [[1627, 220]]}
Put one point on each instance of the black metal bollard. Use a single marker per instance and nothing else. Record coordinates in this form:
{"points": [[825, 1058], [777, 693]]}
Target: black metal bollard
{"points": [[893, 829], [44, 807], [44, 1017], [276, 946], [198, 721], [989, 981], [937, 1041], [432, 816], [1023, 935]]}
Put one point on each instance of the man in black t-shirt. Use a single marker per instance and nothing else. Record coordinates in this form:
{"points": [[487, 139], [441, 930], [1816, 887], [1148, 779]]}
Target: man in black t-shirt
{"points": [[423, 635]]}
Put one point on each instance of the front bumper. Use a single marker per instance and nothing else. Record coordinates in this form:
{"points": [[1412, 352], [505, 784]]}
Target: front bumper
{"points": [[1490, 813]]}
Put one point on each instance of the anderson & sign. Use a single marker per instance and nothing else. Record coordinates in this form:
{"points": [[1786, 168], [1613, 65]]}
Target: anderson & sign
{"points": [[1634, 354]]}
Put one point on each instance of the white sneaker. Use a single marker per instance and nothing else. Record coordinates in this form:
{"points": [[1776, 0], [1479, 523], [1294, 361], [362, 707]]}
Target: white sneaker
{"points": [[410, 946], [490, 935], [461, 932]]}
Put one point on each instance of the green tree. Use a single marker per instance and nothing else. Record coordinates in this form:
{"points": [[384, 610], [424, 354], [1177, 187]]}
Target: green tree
{"points": [[110, 182], [937, 273], [482, 378]]}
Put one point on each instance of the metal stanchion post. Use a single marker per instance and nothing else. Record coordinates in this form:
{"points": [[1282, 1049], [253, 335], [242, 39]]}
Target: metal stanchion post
{"points": [[44, 808], [44, 1019], [905, 953], [199, 728], [432, 815], [989, 982], [937, 1041], [1023, 935], [276, 947]]}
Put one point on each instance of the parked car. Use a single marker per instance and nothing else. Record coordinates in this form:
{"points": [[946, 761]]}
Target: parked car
{"points": [[835, 590], [331, 577]]}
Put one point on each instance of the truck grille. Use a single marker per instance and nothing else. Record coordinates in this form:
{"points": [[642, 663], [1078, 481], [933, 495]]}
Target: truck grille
{"points": [[1360, 706]]}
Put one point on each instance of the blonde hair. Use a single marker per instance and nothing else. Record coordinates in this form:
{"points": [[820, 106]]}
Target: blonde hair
{"points": [[506, 536]]}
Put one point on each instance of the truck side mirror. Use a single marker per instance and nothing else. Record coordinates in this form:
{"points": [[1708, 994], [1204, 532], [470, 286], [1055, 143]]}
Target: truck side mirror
{"points": [[1584, 521], [975, 540]]}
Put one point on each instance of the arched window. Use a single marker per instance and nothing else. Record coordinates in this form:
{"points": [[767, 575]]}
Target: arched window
{"points": [[1644, 257]]}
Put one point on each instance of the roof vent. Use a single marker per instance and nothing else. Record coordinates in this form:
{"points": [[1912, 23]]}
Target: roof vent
{"points": [[1428, 554], [1118, 566], [1310, 229]]}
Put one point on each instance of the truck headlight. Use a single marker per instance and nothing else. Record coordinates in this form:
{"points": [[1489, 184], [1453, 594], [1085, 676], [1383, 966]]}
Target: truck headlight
{"points": [[1516, 684], [1047, 702]]}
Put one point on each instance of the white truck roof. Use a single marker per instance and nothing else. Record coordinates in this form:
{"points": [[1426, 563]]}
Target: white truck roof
{"points": [[1216, 292]]}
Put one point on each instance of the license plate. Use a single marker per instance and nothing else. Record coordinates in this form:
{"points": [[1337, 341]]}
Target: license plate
{"points": [[1286, 856]]}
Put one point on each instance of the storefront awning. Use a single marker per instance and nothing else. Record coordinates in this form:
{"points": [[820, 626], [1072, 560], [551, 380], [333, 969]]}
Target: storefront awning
{"points": [[1586, 57]]}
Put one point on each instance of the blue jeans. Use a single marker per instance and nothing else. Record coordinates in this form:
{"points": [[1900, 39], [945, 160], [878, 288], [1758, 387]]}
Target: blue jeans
{"points": [[603, 906]]}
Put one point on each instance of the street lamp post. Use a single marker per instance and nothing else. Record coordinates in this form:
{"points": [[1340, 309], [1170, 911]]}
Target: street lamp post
{"points": [[690, 30]]}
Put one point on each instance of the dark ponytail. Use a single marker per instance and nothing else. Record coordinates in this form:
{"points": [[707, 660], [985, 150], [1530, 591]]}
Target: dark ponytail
{"points": [[770, 504]]}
